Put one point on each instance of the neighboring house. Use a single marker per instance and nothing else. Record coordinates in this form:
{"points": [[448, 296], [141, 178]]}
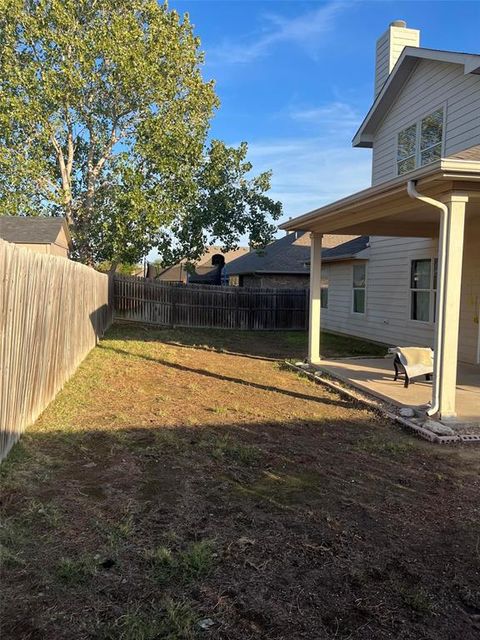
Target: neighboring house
{"points": [[419, 282], [41, 234], [283, 264], [179, 272]]}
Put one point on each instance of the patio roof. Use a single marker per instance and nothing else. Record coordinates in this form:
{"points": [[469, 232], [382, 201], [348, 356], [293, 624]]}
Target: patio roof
{"points": [[387, 210]]}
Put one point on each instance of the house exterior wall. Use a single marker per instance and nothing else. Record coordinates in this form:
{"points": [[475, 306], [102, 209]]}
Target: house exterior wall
{"points": [[276, 281], [470, 299], [387, 317], [431, 85], [57, 248], [51, 249], [389, 48]]}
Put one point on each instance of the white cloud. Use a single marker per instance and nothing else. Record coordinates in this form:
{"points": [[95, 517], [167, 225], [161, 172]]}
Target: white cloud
{"points": [[310, 172], [332, 118], [305, 31]]}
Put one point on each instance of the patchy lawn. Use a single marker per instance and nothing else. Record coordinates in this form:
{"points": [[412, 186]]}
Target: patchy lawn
{"points": [[176, 491]]}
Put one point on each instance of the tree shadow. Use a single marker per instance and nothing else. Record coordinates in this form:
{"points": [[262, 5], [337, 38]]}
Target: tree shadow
{"points": [[225, 378], [234, 521]]}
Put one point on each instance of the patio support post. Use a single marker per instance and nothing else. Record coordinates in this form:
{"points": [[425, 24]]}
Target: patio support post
{"points": [[315, 293], [453, 229]]}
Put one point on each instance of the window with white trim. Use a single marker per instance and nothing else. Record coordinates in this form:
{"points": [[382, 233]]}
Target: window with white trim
{"points": [[423, 289], [324, 293], [359, 284], [420, 143]]}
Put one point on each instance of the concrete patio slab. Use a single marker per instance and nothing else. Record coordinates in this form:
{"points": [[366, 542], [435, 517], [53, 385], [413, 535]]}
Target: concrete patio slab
{"points": [[375, 376]]}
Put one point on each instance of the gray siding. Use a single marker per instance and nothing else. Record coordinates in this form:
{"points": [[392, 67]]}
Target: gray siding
{"points": [[432, 84], [388, 294]]}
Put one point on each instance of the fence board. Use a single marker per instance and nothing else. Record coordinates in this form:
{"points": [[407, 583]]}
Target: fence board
{"points": [[52, 311], [208, 306]]}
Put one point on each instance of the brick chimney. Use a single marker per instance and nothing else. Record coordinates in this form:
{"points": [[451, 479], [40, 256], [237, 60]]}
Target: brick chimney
{"points": [[389, 47]]}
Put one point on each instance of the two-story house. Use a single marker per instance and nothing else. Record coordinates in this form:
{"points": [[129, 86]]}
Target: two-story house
{"points": [[418, 283]]}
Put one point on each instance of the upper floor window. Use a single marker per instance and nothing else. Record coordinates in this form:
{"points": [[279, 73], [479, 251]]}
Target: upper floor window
{"points": [[420, 143]]}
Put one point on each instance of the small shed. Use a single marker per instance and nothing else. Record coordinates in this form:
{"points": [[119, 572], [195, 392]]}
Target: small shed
{"points": [[41, 234]]}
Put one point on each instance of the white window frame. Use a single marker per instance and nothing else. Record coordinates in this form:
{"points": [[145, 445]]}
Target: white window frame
{"points": [[432, 291], [352, 308], [324, 288], [418, 136]]}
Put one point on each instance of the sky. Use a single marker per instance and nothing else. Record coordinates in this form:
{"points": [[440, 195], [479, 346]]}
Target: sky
{"points": [[295, 80]]}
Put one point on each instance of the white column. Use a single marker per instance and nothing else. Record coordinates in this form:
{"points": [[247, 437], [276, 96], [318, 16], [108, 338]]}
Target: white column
{"points": [[315, 291], [454, 230]]}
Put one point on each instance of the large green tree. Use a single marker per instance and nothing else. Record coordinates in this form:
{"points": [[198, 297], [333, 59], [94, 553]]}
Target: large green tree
{"points": [[103, 118]]}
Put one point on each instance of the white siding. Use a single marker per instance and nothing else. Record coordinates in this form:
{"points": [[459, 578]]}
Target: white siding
{"points": [[431, 85], [389, 49], [388, 294], [470, 300]]}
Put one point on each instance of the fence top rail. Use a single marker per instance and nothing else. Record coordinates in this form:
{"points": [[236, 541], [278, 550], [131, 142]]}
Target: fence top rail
{"points": [[209, 287]]}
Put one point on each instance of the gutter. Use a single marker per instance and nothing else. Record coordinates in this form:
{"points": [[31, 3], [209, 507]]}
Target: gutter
{"points": [[439, 333]]}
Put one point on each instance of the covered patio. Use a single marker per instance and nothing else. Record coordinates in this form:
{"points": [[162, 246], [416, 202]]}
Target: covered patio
{"points": [[375, 377], [440, 203]]}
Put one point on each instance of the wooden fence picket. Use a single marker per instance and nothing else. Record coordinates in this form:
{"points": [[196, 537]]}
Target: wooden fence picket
{"points": [[208, 306]]}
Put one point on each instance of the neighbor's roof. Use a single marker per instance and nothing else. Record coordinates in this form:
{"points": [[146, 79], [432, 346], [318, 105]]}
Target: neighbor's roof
{"points": [[288, 254], [291, 254], [32, 229], [409, 58], [347, 250], [228, 255]]}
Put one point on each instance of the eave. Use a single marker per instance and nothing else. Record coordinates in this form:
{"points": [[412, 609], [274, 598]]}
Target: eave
{"points": [[386, 209], [404, 67]]}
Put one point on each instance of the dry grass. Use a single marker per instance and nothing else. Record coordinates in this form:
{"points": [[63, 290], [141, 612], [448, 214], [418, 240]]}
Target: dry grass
{"points": [[172, 482]]}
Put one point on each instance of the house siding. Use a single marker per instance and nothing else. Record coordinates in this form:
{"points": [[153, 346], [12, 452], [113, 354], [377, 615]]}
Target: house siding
{"points": [[387, 317], [432, 84], [276, 281], [470, 296]]}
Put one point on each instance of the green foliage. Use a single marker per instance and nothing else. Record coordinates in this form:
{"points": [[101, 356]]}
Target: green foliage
{"points": [[103, 119], [187, 565], [174, 620], [229, 203]]}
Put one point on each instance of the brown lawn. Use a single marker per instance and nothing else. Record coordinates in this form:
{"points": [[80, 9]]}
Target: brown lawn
{"points": [[174, 490]]}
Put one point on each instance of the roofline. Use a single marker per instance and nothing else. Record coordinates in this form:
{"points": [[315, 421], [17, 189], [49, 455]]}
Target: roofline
{"points": [[470, 62], [271, 272], [443, 169]]}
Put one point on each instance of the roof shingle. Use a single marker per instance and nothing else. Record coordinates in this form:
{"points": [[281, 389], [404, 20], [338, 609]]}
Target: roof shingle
{"points": [[31, 229]]}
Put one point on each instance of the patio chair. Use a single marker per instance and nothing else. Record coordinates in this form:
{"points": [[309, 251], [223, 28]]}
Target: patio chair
{"points": [[412, 362]]}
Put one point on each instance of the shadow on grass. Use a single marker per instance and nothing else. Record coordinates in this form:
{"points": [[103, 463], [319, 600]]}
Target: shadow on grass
{"points": [[225, 378], [145, 532], [266, 345]]}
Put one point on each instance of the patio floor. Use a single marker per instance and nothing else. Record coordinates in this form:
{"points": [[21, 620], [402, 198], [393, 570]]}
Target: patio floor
{"points": [[375, 375]]}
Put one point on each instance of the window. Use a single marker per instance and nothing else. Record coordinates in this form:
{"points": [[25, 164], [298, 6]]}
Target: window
{"points": [[324, 294], [420, 143], [359, 286], [423, 289]]}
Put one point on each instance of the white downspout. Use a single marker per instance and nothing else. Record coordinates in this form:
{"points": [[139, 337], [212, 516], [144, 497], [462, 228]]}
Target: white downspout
{"points": [[437, 362]]}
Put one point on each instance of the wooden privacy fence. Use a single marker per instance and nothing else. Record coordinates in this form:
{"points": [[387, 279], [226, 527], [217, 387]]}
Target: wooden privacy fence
{"points": [[208, 306], [52, 311]]}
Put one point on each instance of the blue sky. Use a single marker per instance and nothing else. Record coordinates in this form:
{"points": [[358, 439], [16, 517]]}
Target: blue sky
{"points": [[296, 78]]}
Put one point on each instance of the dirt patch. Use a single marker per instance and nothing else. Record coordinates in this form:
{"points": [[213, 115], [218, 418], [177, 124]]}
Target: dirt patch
{"points": [[177, 491]]}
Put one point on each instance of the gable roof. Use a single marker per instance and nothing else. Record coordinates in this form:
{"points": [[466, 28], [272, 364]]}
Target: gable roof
{"points": [[347, 250], [406, 63], [32, 229], [291, 254], [288, 254]]}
